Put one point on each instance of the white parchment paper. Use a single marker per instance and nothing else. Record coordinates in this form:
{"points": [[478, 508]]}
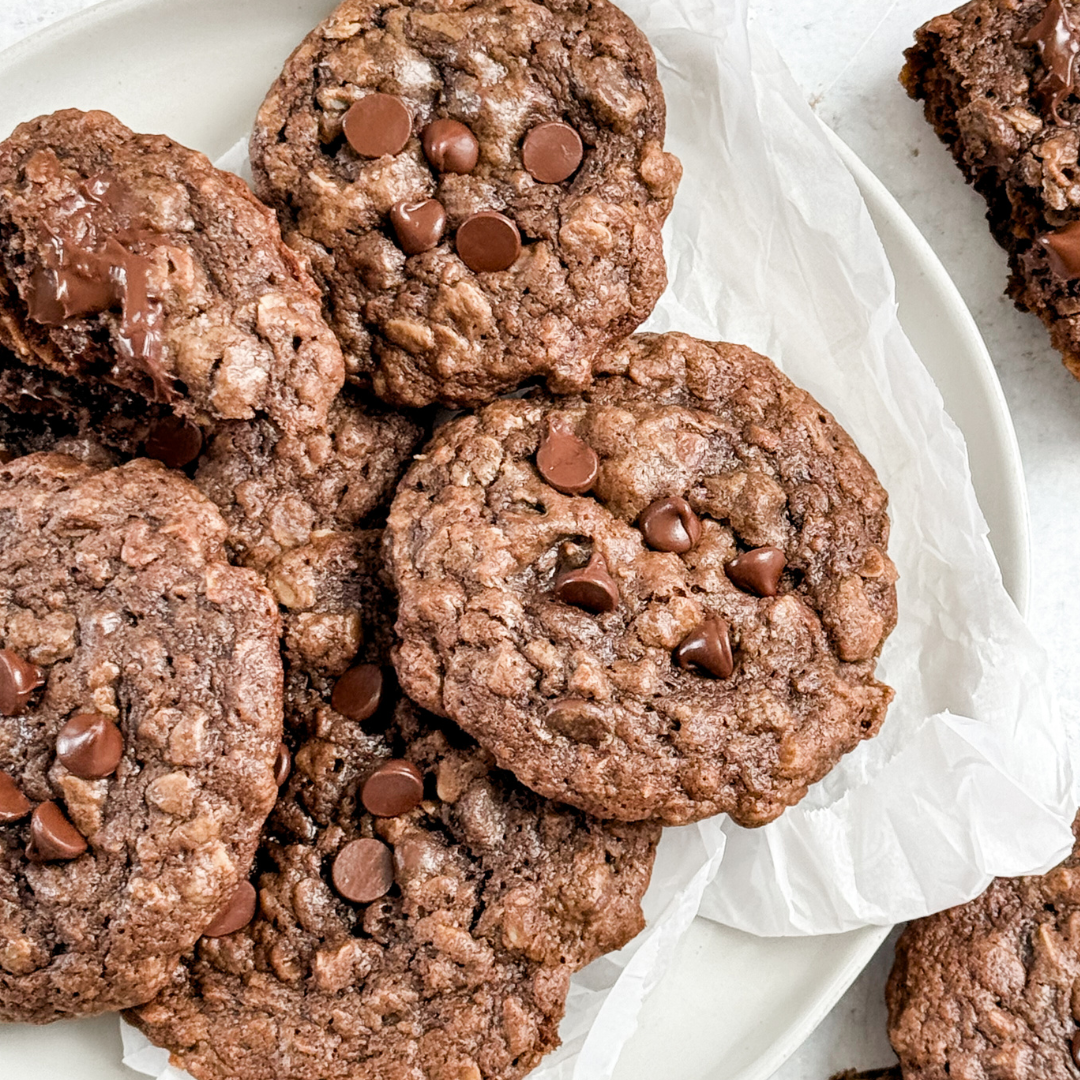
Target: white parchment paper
{"points": [[771, 245]]}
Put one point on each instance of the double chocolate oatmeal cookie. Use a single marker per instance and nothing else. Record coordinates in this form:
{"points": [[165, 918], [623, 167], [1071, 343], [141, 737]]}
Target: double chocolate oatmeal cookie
{"points": [[140, 716], [479, 186], [990, 990], [419, 913], [275, 489], [664, 598], [999, 83], [128, 259]]}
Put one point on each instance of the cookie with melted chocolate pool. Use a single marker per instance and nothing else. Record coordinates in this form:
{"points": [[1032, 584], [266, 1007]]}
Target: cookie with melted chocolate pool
{"points": [[129, 260], [664, 598]]}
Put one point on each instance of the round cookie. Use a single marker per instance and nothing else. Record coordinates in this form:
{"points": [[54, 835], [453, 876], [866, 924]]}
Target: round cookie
{"points": [[992, 988], [434, 941], [275, 488], [131, 260], [415, 152], [662, 599], [140, 716]]}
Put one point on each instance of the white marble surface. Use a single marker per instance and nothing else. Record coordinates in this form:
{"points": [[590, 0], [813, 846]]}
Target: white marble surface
{"points": [[846, 55]]}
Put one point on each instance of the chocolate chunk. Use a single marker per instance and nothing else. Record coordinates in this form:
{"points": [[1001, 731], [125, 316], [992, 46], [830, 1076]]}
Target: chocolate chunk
{"points": [[363, 871], [394, 788], [591, 588], [90, 746], [488, 242], [235, 913], [450, 146], [1075, 1048], [707, 647], [552, 152], [52, 837], [1058, 45], [358, 692], [14, 805], [282, 765], [670, 525], [567, 463], [578, 719], [1063, 250], [757, 571], [378, 124], [18, 680], [174, 441], [419, 226]]}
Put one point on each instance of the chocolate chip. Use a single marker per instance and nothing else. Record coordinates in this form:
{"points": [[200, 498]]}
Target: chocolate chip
{"points": [[757, 571], [1058, 45], [52, 837], [90, 746], [707, 647], [488, 242], [567, 463], [1075, 1047], [174, 441], [363, 871], [1063, 250], [6, 456], [358, 692], [282, 765], [578, 719], [591, 588], [18, 681], [670, 525], [552, 152], [14, 805], [419, 226], [235, 913], [378, 124], [394, 788], [450, 146]]}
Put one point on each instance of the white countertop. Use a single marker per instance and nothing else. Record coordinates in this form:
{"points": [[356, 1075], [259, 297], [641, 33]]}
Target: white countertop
{"points": [[846, 54]]}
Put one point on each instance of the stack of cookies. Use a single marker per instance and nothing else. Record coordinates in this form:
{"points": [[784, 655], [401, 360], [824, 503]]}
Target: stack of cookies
{"points": [[337, 730]]}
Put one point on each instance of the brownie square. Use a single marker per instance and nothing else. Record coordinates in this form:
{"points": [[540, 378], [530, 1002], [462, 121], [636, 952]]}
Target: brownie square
{"points": [[998, 81]]}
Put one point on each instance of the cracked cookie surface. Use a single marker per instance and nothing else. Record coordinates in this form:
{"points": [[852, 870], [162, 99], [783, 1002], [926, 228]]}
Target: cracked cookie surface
{"points": [[140, 712], [694, 631], [426, 327], [456, 963]]}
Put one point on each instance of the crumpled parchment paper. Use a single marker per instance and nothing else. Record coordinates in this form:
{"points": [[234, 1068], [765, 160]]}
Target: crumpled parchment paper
{"points": [[771, 245]]}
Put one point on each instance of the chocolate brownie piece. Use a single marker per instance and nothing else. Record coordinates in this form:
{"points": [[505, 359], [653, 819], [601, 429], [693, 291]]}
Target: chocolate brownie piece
{"points": [[990, 990], [140, 717], [276, 488], [131, 260], [998, 78], [479, 186], [419, 912], [664, 598]]}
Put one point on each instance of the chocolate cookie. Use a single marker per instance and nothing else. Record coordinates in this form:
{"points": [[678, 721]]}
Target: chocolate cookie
{"points": [[479, 186], [140, 717], [992, 988], [999, 83], [130, 260], [275, 488], [419, 913], [662, 599]]}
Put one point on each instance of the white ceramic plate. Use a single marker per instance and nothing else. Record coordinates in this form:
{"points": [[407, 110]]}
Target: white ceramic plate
{"points": [[733, 1005]]}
